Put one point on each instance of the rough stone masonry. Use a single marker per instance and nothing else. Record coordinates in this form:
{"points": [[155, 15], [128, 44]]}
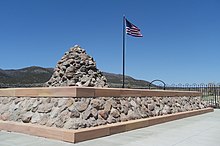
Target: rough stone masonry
{"points": [[76, 113], [77, 68]]}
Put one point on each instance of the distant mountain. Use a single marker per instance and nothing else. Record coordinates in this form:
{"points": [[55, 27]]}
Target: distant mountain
{"points": [[115, 80], [35, 76], [30, 76]]}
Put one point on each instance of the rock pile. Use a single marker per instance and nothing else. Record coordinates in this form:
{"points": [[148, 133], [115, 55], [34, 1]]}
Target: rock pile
{"points": [[75, 113], [77, 68]]}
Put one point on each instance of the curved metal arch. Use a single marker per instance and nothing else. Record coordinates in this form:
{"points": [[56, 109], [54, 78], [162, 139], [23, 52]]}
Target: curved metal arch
{"points": [[157, 80]]}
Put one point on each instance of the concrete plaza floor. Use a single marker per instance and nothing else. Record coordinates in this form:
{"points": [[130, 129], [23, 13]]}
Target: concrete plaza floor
{"points": [[202, 130]]}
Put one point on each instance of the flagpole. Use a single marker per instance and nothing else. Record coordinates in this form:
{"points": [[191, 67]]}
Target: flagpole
{"points": [[123, 52]]}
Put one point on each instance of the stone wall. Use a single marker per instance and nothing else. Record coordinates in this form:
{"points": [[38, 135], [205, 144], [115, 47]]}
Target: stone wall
{"points": [[75, 113]]}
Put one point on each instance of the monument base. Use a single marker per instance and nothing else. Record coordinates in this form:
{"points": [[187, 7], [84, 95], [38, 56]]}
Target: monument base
{"points": [[79, 135]]}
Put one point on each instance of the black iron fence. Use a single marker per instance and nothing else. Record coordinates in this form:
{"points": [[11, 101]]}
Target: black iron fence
{"points": [[210, 92]]}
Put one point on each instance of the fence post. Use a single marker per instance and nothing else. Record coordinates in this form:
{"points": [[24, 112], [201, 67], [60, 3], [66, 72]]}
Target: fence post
{"points": [[215, 96]]}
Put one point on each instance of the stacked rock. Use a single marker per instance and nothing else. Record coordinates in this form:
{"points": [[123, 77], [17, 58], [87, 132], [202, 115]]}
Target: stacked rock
{"points": [[76, 113], [77, 68]]}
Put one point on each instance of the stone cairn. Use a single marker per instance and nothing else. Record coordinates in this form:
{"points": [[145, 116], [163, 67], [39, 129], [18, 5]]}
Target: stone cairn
{"points": [[77, 68]]}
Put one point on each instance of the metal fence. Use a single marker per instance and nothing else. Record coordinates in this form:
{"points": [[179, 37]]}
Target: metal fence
{"points": [[210, 92]]}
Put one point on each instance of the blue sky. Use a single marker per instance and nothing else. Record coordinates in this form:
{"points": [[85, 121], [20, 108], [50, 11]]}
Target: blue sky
{"points": [[181, 42]]}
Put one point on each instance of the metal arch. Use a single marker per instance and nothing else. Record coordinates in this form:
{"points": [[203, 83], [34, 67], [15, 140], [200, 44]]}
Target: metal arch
{"points": [[187, 85], [164, 85]]}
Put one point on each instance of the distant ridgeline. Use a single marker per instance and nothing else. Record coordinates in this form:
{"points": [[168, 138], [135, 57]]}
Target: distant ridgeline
{"points": [[75, 68], [26, 77]]}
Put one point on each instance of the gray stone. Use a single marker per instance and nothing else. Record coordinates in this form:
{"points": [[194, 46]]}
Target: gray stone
{"points": [[185, 98], [54, 112], [17, 100], [101, 121], [96, 103], [63, 68], [201, 106], [15, 116], [150, 113], [103, 114], [108, 106], [36, 103], [6, 100], [69, 75], [113, 102], [177, 105], [64, 115], [124, 109], [76, 123], [123, 117], [72, 107], [69, 102], [59, 123], [100, 83], [131, 115], [36, 118], [50, 122], [111, 119], [165, 100], [137, 113], [90, 72], [85, 78], [92, 121], [44, 119], [71, 83], [79, 84], [61, 102], [45, 108], [166, 110], [61, 73], [5, 116], [133, 103], [151, 107], [87, 83], [69, 124], [115, 113], [157, 111], [138, 99], [143, 111], [82, 106], [13, 107], [86, 114], [74, 113], [26, 118], [94, 113]]}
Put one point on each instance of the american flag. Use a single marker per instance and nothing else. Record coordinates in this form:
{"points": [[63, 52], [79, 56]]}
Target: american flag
{"points": [[132, 30]]}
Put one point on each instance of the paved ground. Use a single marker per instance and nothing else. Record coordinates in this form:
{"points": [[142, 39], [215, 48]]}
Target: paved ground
{"points": [[202, 130]]}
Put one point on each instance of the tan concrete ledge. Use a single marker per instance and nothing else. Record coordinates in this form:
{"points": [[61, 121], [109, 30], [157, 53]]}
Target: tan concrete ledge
{"points": [[94, 132], [90, 92]]}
